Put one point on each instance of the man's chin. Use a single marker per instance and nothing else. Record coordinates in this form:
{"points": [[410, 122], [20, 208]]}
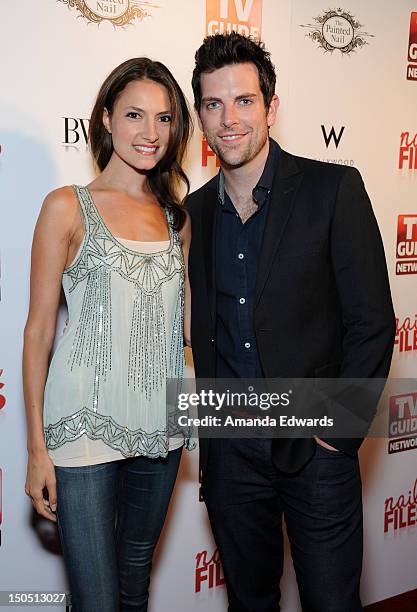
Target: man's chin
{"points": [[229, 159]]}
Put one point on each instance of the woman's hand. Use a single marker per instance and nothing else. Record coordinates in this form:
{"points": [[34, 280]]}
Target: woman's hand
{"points": [[40, 476]]}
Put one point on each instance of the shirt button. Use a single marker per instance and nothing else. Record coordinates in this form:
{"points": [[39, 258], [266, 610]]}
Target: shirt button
{"points": [[241, 256], [247, 344], [242, 300]]}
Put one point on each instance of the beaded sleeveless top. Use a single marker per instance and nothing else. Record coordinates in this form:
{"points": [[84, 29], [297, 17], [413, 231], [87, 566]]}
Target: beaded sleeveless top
{"points": [[124, 338]]}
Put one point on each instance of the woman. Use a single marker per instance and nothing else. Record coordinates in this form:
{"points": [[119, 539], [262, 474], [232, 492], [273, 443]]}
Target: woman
{"points": [[97, 421]]}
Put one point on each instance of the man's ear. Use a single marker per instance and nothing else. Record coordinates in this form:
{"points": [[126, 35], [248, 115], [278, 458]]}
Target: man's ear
{"points": [[272, 111], [107, 120]]}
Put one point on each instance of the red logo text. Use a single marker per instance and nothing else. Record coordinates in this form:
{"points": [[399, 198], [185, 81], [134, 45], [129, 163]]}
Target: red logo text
{"points": [[406, 334], [401, 512], [406, 244], [208, 571], [412, 48], [2, 397]]}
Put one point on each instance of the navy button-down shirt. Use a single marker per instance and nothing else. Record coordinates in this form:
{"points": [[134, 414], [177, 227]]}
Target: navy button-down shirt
{"points": [[238, 246]]}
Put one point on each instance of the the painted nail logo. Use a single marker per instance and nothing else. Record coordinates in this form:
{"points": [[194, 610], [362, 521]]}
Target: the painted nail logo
{"points": [[337, 29], [118, 12]]}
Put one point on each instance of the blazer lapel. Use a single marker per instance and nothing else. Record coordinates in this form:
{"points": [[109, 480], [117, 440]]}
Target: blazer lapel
{"points": [[209, 240], [282, 200]]}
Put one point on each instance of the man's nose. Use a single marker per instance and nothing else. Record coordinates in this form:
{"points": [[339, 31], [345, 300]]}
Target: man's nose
{"points": [[230, 116]]}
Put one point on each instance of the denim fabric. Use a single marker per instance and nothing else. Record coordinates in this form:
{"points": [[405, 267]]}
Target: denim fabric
{"points": [[109, 519]]}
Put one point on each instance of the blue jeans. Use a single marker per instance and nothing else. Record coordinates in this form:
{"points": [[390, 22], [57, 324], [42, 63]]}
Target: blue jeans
{"points": [[110, 517]]}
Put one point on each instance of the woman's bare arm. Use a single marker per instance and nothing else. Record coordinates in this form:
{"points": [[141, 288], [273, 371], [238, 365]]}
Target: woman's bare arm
{"points": [[50, 250]]}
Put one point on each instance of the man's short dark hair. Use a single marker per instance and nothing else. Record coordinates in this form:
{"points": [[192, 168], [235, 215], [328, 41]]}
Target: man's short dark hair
{"points": [[222, 50]]}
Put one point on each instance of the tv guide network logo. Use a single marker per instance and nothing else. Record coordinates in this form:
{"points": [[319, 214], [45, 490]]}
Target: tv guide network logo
{"points": [[225, 16], [412, 48], [406, 245], [402, 422], [242, 16]]}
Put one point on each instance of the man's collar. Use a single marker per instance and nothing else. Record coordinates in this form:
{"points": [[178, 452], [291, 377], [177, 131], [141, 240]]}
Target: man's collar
{"points": [[264, 185]]}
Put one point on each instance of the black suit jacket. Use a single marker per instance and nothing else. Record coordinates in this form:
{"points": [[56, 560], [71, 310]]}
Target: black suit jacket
{"points": [[322, 305]]}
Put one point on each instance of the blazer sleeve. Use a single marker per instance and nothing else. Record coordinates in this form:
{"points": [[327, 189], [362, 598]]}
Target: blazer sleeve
{"points": [[361, 276]]}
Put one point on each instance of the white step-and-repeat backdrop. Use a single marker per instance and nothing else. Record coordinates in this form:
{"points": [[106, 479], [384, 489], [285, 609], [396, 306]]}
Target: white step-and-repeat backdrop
{"points": [[347, 79]]}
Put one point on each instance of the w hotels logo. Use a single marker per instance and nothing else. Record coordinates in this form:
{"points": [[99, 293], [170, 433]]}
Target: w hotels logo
{"points": [[406, 245], [412, 48], [208, 571], [118, 12], [331, 135], [243, 16]]}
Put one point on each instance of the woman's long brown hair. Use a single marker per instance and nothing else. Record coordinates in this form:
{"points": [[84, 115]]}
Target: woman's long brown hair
{"points": [[165, 178]]}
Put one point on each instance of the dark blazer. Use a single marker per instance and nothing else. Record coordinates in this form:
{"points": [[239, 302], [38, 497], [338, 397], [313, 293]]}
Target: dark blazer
{"points": [[322, 303]]}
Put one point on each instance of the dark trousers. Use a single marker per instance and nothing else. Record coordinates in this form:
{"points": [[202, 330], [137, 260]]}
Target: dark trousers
{"points": [[109, 518], [246, 497]]}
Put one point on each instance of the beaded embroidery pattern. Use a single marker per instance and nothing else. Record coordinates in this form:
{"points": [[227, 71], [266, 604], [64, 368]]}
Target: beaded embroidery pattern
{"points": [[149, 365]]}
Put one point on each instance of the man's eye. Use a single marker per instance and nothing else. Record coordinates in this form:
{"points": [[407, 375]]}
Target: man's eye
{"points": [[165, 118], [212, 105], [132, 115], [245, 101]]}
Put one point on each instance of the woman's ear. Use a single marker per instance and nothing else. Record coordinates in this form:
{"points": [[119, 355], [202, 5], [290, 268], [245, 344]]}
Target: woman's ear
{"points": [[107, 120]]}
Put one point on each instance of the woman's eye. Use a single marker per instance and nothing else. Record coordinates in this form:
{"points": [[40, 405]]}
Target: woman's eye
{"points": [[165, 118], [132, 115]]}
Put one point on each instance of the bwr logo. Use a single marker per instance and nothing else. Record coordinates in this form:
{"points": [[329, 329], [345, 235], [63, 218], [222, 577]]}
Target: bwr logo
{"points": [[328, 137], [75, 130], [2, 397], [208, 571], [408, 152], [225, 16], [412, 48], [406, 244]]}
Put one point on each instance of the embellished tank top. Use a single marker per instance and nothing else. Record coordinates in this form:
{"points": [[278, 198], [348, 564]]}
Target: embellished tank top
{"points": [[124, 339]]}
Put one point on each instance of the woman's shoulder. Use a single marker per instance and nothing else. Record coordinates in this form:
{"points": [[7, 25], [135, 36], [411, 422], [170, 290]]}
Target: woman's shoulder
{"points": [[60, 208], [61, 200]]}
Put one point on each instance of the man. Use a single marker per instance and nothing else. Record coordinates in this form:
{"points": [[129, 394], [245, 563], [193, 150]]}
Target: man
{"points": [[288, 279]]}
